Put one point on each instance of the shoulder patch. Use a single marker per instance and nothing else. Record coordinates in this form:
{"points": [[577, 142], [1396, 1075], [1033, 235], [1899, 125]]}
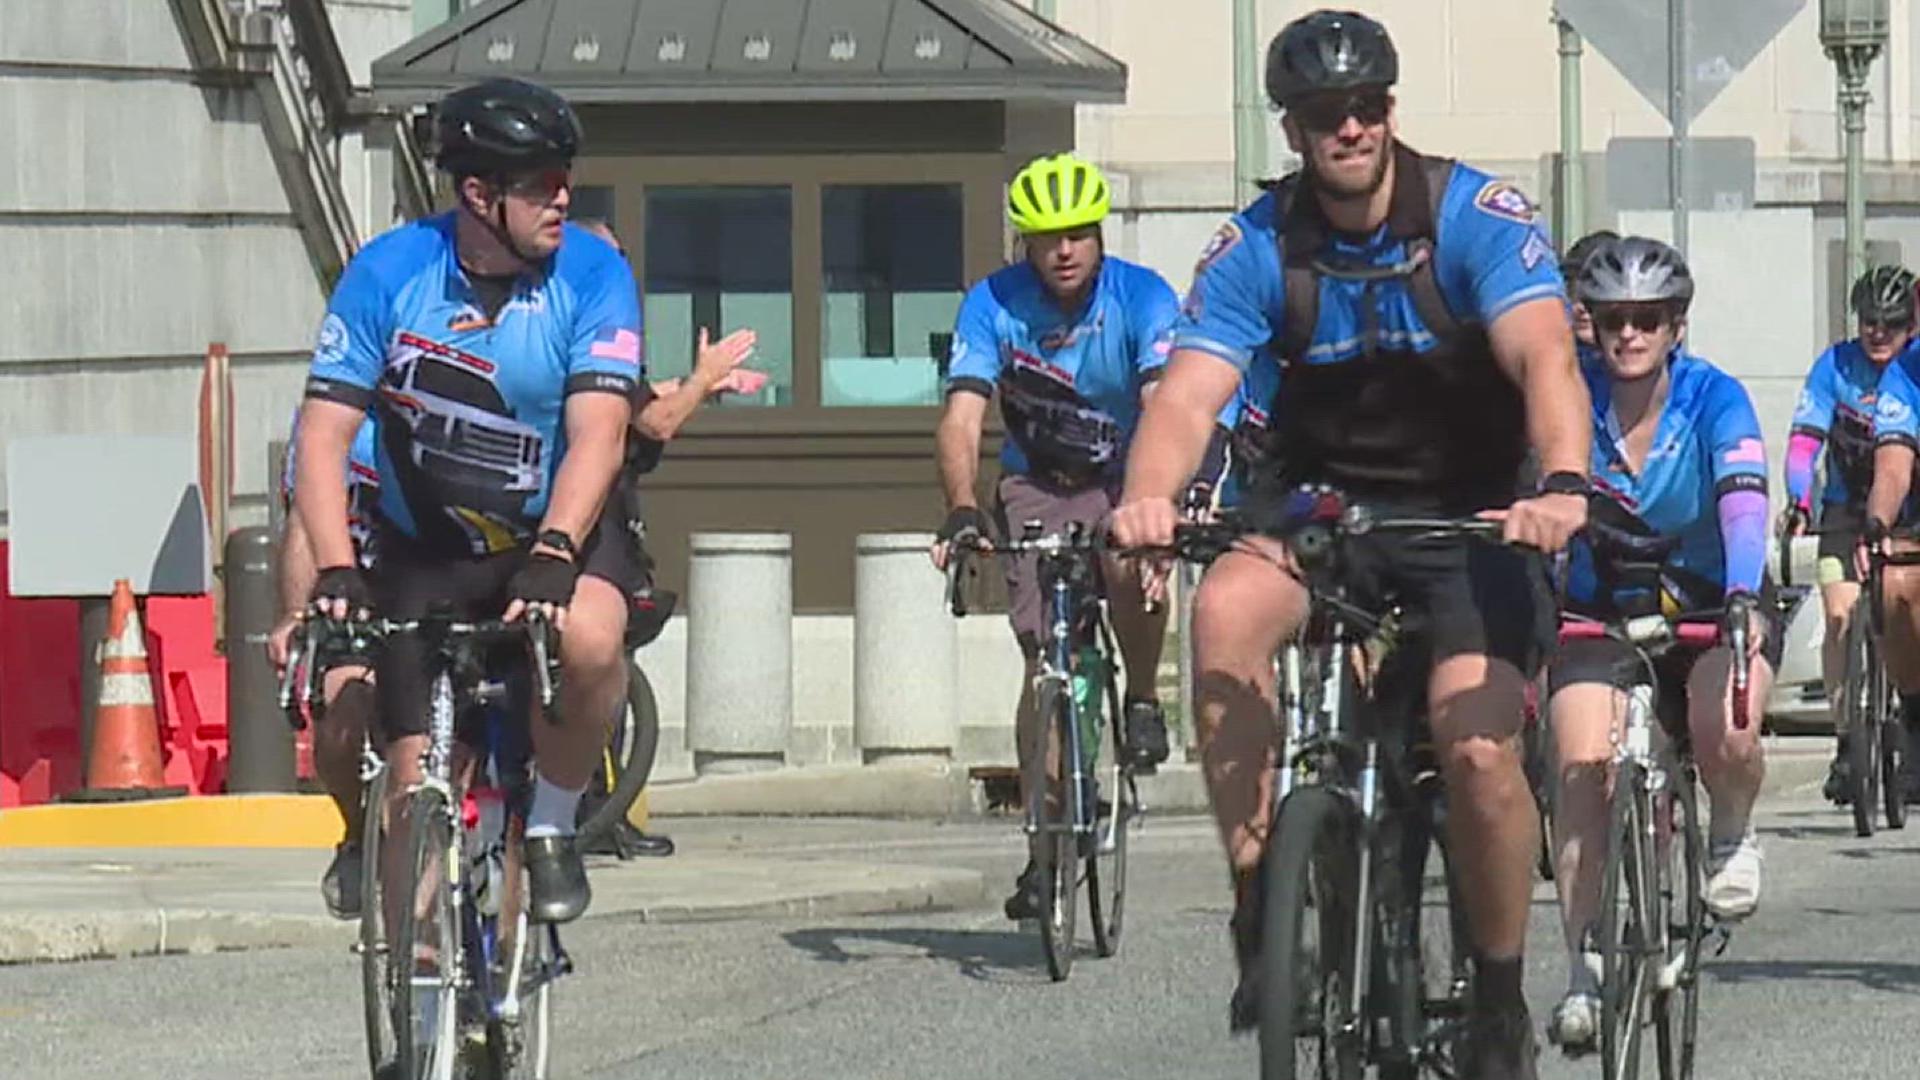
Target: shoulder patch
{"points": [[332, 345], [1224, 239], [1503, 200], [1891, 410], [1536, 250]]}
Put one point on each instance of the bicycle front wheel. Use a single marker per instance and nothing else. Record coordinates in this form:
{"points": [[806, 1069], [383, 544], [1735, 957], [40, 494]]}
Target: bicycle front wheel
{"points": [[1862, 710], [1676, 1009], [1629, 931], [1894, 749], [1107, 863], [375, 985], [1056, 847], [423, 957], [1311, 880]]}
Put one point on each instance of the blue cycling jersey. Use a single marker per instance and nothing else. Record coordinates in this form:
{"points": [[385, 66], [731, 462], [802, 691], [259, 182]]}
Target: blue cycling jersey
{"points": [[1706, 449], [1380, 402], [1069, 383], [363, 482], [1249, 420], [1896, 409], [1837, 406], [471, 408]]}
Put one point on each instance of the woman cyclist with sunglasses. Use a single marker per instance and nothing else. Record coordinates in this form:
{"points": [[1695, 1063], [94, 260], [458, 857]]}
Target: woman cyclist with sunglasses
{"points": [[1678, 463]]}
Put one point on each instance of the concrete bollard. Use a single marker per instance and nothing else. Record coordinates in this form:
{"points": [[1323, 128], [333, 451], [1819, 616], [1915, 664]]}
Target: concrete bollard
{"points": [[258, 736], [739, 650], [906, 667]]}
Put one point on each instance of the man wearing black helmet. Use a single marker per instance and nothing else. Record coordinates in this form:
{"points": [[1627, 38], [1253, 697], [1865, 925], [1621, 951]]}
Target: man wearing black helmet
{"points": [[497, 347], [1846, 390], [1419, 316]]}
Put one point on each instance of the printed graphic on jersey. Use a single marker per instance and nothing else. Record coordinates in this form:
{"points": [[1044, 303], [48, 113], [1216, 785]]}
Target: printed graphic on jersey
{"points": [[1503, 200], [1891, 411], [332, 346], [616, 343], [1536, 250], [1850, 445], [1045, 415]]}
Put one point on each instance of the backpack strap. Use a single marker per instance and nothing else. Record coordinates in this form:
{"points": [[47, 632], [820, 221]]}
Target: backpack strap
{"points": [[1428, 301]]}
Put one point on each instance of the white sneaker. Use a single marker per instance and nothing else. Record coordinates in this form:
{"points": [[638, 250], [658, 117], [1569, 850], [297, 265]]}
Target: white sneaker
{"points": [[1733, 877], [1575, 1024]]}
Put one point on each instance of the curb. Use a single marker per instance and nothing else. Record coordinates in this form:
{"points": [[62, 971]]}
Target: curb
{"points": [[943, 889], [225, 821]]}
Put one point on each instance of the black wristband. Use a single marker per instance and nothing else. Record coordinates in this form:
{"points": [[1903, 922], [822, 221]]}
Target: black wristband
{"points": [[558, 541], [1566, 482]]}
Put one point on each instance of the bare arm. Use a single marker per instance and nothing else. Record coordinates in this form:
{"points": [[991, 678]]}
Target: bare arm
{"points": [[297, 571], [673, 403], [1179, 417], [1892, 479], [596, 438], [957, 446], [1533, 345], [327, 429]]}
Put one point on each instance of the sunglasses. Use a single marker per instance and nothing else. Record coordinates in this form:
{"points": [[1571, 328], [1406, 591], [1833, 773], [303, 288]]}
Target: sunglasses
{"points": [[1891, 328], [1645, 318], [540, 184], [1329, 113]]}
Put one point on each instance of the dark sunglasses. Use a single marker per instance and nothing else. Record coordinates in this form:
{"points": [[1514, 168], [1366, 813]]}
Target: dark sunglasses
{"points": [[539, 184], [1645, 318], [1330, 111], [1887, 326]]}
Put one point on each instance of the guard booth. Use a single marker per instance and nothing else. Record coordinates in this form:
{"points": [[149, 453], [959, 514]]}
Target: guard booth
{"points": [[829, 173]]}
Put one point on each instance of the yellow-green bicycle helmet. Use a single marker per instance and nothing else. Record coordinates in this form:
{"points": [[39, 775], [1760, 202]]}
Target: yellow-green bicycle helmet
{"points": [[1056, 193]]}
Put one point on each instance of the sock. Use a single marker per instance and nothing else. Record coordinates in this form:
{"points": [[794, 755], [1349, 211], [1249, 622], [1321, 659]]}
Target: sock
{"points": [[553, 809], [1581, 979], [1497, 981]]}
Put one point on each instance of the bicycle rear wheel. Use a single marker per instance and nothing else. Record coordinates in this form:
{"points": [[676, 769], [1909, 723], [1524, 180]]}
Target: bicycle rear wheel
{"points": [[628, 759], [1056, 849], [1676, 1009], [423, 957], [1628, 935], [376, 988], [1107, 864], [1862, 708], [1307, 977]]}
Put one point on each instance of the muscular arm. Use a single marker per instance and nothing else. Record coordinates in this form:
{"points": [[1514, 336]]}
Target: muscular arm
{"points": [[1892, 479], [1532, 344], [957, 446], [1179, 419], [327, 429], [296, 570], [596, 434]]}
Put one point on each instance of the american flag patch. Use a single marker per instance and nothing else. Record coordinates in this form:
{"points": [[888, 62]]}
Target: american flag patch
{"points": [[1747, 452], [619, 344]]}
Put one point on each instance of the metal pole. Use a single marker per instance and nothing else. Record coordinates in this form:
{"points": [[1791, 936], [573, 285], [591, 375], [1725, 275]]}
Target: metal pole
{"points": [[1677, 112], [1853, 107], [1573, 209], [1249, 103]]}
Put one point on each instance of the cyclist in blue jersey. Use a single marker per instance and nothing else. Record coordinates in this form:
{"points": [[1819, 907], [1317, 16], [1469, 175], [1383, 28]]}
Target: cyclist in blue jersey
{"points": [[499, 349], [1071, 339], [1681, 473], [1570, 265], [1417, 310], [346, 695], [1896, 427], [1836, 411]]}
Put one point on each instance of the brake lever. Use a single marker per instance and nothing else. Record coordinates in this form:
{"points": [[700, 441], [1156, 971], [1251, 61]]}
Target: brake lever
{"points": [[538, 630]]}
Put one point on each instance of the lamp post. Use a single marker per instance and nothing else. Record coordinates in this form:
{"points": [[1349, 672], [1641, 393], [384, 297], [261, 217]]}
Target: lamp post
{"points": [[1853, 32]]}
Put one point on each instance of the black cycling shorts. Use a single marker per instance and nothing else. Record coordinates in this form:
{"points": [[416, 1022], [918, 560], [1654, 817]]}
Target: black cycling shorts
{"points": [[1840, 529], [409, 580]]}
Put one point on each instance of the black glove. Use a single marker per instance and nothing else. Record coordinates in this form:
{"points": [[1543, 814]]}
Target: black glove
{"points": [[1875, 532], [544, 579], [964, 524], [340, 583]]}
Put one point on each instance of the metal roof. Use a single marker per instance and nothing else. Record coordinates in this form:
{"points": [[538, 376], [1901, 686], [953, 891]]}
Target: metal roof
{"points": [[756, 50]]}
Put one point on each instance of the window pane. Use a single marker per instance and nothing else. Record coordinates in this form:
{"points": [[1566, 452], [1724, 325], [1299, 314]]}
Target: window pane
{"points": [[721, 258], [893, 286]]}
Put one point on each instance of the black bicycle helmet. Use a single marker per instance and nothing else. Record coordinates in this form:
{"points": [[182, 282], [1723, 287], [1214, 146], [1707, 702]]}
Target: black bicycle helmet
{"points": [[503, 126], [1884, 294], [1329, 50], [1635, 270]]}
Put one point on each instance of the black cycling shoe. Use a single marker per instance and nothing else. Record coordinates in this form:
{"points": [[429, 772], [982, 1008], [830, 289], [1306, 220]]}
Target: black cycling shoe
{"points": [[557, 880], [340, 885], [1838, 789], [1146, 735], [1025, 901], [1243, 1011], [1500, 1044]]}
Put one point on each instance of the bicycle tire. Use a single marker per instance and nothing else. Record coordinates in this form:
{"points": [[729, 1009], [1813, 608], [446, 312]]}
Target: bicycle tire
{"points": [[1862, 720], [628, 762], [1427, 970], [1626, 927], [1893, 766], [1311, 881], [426, 1004], [1676, 1011], [375, 989], [1057, 853], [520, 1046], [1107, 888]]}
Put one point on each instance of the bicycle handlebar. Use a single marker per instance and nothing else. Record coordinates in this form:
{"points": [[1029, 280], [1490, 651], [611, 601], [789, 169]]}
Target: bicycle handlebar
{"points": [[345, 637], [1695, 630]]}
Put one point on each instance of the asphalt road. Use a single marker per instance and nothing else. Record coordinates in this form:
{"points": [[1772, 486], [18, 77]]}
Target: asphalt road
{"points": [[1824, 981]]}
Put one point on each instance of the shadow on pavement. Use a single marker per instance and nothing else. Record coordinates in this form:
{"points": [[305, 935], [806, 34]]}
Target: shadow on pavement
{"points": [[989, 955], [1900, 978], [1806, 832]]}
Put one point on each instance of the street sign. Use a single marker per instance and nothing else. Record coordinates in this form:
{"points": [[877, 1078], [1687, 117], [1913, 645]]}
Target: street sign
{"points": [[1723, 37]]}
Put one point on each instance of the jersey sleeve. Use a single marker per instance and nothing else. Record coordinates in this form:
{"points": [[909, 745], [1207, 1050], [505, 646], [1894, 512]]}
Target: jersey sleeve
{"points": [[1235, 285], [1493, 253], [1814, 413], [975, 365], [607, 354], [1739, 463], [1151, 313], [1896, 410], [351, 350]]}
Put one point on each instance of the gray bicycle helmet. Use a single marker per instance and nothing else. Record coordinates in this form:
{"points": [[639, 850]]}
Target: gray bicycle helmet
{"points": [[1578, 253], [1635, 270], [1329, 50], [1884, 294]]}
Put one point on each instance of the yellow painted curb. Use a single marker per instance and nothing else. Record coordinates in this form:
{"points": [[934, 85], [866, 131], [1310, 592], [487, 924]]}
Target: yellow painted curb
{"points": [[283, 821], [637, 813]]}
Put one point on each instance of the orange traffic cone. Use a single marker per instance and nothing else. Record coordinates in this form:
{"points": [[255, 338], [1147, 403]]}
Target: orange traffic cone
{"points": [[124, 761]]}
